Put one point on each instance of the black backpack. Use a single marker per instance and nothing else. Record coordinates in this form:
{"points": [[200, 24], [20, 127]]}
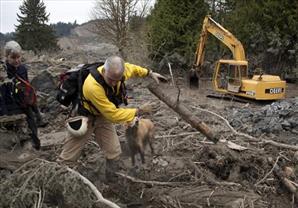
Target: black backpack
{"points": [[71, 82]]}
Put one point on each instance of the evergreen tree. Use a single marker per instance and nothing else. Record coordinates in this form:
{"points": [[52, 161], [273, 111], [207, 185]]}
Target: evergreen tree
{"points": [[63, 29], [5, 38], [175, 26], [33, 33], [268, 29]]}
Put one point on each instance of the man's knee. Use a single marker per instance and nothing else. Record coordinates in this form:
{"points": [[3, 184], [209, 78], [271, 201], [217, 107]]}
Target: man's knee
{"points": [[71, 149], [113, 152], [68, 156]]}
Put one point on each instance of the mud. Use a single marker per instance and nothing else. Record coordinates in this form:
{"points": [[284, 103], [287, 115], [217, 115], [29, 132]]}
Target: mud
{"points": [[186, 171]]}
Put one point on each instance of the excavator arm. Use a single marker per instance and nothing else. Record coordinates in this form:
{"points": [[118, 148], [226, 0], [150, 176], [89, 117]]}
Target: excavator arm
{"points": [[223, 35]]}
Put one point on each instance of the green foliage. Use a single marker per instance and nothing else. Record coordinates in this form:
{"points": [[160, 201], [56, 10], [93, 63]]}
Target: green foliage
{"points": [[268, 27], [174, 27], [63, 29], [33, 33]]}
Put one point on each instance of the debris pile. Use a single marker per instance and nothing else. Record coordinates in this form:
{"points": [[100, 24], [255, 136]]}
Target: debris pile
{"points": [[187, 170], [280, 116]]}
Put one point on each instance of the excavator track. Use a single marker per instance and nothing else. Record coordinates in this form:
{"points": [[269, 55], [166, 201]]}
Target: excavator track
{"points": [[238, 99]]}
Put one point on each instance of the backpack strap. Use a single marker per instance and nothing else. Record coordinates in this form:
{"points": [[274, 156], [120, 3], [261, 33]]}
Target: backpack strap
{"points": [[112, 98], [82, 99], [116, 99], [29, 87], [96, 75]]}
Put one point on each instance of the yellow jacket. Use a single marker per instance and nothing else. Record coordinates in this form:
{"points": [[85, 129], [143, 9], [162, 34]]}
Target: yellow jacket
{"points": [[95, 93]]}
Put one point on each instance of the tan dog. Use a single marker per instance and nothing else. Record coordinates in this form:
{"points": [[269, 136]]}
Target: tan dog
{"points": [[138, 136]]}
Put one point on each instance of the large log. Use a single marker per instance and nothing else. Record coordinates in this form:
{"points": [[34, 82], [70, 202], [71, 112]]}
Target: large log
{"points": [[186, 114]]}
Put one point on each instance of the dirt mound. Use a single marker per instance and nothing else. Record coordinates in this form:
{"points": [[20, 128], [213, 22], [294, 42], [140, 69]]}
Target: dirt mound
{"points": [[83, 39]]}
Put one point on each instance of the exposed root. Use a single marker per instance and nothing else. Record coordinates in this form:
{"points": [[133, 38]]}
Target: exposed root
{"points": [[264, 178], [98, 195]]}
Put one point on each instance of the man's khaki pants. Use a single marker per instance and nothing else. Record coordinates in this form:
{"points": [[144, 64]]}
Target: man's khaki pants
{"points": [[105, 136]]}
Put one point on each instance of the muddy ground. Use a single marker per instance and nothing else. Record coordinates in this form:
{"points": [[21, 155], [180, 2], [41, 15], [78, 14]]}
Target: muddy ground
{"points": [[186, 171]]}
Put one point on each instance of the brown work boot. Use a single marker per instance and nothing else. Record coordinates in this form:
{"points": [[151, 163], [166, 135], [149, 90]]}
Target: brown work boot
{"points": [[112, 166]]}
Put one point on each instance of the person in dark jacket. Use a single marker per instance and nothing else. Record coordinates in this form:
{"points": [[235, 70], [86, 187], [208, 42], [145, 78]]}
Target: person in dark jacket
{"points": [[16, 70]]}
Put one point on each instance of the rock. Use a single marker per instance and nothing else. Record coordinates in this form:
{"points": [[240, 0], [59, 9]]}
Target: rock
{"points": [[160, 162], [273, 118], [295, 157], [289, 172], [293, 120], [269, 112], [286, 125], [284, 113], [8, 140], [44, 82]]}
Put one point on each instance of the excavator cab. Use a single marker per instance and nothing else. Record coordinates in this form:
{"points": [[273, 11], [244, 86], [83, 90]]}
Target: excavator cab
{"points": [[234, 78], [228, 75]]}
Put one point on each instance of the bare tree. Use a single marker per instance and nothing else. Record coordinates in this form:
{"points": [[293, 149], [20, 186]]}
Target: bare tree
{"points": [[113, 18]]}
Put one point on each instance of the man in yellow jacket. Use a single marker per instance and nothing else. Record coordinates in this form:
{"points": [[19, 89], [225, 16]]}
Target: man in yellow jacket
{"points": [[103, 93]]}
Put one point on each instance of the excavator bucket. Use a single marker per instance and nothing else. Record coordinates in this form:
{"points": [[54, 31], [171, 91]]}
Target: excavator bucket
{"points": [[193, 79]]}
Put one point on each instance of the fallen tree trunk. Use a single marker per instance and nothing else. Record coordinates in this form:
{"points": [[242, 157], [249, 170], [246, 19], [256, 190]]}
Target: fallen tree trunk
{"points": [[186, 114]]}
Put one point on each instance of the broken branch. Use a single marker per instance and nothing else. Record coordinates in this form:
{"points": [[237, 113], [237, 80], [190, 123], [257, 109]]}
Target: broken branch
{"points": [[136, 180], [228, 124], [260, 181], [209, 179], [176, 135], [250, 138], [98, 195]]}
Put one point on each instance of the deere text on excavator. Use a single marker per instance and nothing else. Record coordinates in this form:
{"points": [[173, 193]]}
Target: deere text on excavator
{"points": [[231, 76]]}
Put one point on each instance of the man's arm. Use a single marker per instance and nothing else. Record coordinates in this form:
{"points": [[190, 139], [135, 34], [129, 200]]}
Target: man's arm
{"points": [[132, 70]]}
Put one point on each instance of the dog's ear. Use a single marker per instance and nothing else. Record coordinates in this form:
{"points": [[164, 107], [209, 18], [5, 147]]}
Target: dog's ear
{"points": [[132, 123], [137, 122]]}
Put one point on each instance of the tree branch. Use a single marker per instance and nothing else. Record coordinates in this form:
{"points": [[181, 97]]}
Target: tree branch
{"points": [[250, 138]]}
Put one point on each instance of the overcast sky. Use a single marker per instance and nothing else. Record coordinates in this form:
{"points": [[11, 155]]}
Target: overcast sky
{"points": [[60, 11]]}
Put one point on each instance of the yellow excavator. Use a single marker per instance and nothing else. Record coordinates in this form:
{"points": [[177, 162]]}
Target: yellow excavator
{"points": [[231, 76]]}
